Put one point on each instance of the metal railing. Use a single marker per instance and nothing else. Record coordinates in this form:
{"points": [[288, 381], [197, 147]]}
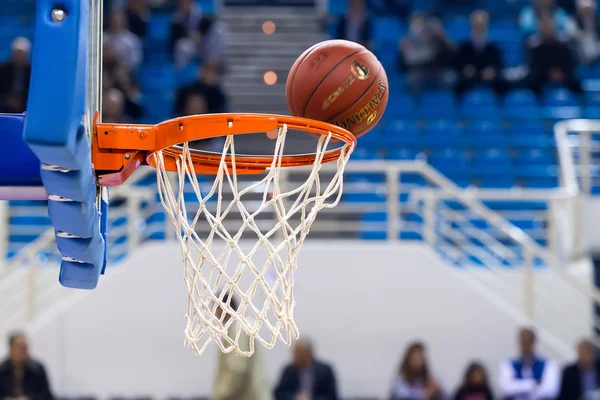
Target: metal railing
{"points": [[453, 221]]}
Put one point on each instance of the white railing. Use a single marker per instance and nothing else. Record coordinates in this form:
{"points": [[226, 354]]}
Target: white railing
{"points": [[29, 284], [465, 235]]}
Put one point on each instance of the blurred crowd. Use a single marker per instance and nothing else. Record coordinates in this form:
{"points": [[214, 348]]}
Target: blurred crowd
{"points": [[528, 376], [195, 38], [557, 36]]}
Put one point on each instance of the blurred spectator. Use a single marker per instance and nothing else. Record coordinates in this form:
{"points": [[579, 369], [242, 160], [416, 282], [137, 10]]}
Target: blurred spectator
{"points": [[530, 16], [425, 54], [127, 46], [528, 377], [587, 32], [479, 62], [475, 384], [239, 378], [195, 35], [582, 378], [208, 86], [355, 25], [14, 77], [415, 380], [21, 377], [113, 107], [138, 15], [195, 104], [550, 59], [116, 75], [306, 378]]}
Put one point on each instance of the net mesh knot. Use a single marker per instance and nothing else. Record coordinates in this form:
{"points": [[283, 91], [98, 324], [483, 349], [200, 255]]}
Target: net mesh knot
{"points": [[242, 291]]}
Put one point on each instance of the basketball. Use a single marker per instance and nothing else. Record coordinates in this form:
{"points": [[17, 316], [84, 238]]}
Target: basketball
{"points": [[339, 82]]}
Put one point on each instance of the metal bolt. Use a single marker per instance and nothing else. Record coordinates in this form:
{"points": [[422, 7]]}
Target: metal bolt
{"points": [[58, 15], [127, 156]]}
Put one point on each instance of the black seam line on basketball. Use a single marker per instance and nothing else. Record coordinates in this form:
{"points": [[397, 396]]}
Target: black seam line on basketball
{"points": [[359, 97], [312, 48], [327, 74]]}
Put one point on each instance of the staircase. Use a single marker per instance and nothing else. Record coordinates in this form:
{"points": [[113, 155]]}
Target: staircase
{"points": [[251, 53]]}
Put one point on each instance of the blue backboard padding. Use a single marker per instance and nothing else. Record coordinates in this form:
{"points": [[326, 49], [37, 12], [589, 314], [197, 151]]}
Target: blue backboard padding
{"points": [[75, 185], [18, 165], [84, 247], [76, 218], [54, 129], [57, 94], [78, 275]]}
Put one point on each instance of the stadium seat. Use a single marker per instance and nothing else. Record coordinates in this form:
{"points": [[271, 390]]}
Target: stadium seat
{"points": [[450, 162], [403, 154], [159, 27], [516, 112], [535, 157], [520, 98], [388, 29], [486, 135], [400, 134], [400, 106], [491, 162], [479, 97], [475, 112], [438, 104], [559, 98], [443, 133]]}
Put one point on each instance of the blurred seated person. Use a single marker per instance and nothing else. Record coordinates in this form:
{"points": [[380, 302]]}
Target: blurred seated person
{"points": [[425, 54], [475, 384], [21, 377], [138, 15], [117, 75], [238, 378], [415, 380], [306, 378], [113, 107], [14, 77], [355, 25], [127, 46], [195, 35], [587, 32], [478, 61], [530, 16], [581, 380], [529, 376], [550, 59], [207, 85]]}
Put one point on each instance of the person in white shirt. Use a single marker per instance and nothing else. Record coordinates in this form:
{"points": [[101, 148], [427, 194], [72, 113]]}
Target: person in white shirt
{"points": [[529, 376]]}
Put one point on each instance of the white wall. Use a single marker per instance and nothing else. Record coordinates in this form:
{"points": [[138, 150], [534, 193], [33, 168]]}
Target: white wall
{"points": [[360, 302]]}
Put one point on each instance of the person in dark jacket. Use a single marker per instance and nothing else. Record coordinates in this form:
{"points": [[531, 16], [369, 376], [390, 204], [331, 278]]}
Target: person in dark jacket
{"points": [[14, 78], [475, 385], [21, 377], [479, 61], [583, 376], [306, 378], [550, 59], [207, 85], [355, 25]]}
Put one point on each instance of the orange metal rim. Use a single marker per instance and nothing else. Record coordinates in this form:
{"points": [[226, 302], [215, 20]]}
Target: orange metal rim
{"points": [[116, 146]]}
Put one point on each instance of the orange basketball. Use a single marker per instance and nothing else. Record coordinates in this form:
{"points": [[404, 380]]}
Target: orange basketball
{"points": [[339, 82]]}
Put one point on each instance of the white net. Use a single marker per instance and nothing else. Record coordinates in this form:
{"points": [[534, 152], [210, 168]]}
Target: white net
{"points": [[240, 277]]}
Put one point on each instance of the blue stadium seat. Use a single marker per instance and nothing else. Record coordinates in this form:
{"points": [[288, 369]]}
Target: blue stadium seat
{"points": [[443, 133], [520, 98], [475, 112], [401, 134], [388, 28], [479, 97], [157, 77], [492, 162], [361, 153], [438, 104], [486, 135], [403, 154], [536, 156], [560, 98], [187, 74], [516, 112], [450, 162], [400, 106], [159, 27]]}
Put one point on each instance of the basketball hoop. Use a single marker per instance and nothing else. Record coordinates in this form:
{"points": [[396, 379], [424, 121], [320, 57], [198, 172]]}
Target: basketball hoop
{"points": [[218, 266]]}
